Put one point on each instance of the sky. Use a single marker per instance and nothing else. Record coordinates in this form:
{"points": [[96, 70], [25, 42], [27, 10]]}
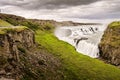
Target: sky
{"points": [[64, 10]]}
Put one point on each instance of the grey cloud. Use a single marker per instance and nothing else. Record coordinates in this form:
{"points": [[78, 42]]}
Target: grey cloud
{"points": [[115, 15], [46, 4], [70, 2], [13, 3], [82, 9]]}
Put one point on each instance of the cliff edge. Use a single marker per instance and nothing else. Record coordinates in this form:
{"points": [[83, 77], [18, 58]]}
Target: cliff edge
{"points": [[22, 58], [110, 44]]}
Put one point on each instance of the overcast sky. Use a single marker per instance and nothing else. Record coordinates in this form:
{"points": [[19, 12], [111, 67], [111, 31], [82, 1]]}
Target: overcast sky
{"points": [[75, 10]]}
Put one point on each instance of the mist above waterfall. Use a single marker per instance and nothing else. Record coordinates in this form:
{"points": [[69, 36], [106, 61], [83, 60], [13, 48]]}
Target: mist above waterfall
{"points": [[85, 38]]}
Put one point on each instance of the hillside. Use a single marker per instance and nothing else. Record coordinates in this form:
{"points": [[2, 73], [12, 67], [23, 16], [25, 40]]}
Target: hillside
{"points": [[4, 23], [22, 58], [17, 20], [34, 53], [110, 44]]}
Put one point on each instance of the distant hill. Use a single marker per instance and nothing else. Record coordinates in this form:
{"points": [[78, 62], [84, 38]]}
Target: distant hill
{"points": [[16, 20]]}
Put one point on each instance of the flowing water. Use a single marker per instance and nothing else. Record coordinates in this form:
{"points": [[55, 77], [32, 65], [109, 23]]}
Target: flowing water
{"points": [[85, 38]]}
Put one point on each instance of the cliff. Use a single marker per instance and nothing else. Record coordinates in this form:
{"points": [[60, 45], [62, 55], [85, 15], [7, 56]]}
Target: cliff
{"points": [[11, 41], [20, 57], [12, 44], [110, 44]]}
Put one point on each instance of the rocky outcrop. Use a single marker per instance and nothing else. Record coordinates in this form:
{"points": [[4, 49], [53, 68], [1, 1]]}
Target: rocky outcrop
{"points": [[12, 44], [110, 44], [23, 59]]}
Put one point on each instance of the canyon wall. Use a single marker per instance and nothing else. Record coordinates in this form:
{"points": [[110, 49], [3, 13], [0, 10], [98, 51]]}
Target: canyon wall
{"points": [[12, 44], [110, 44]]}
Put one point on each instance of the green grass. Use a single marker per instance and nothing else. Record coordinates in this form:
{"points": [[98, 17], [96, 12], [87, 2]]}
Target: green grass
{"points": [[115, 24], [4, 24], [7, 27], [112, 35], [12, 29], [76, 66]]}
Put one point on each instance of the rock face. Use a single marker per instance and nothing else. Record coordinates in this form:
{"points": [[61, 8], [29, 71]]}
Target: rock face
{"points": [[23, 59], [110, 44], [12, 44]]}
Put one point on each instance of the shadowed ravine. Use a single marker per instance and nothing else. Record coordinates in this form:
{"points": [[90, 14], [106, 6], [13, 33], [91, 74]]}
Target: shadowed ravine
{"points": [[85, 38]]}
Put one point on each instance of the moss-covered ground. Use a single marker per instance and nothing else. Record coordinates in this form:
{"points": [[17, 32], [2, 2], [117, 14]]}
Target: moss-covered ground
{"points": [[75, 65], [4, 24], [112, 35], [5, 30]]}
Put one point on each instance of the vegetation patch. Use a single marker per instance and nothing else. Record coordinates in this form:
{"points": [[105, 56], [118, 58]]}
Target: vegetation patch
{"points": [[4, 30], [115, 24], [4, 24], [75, 65], [111, 36]]}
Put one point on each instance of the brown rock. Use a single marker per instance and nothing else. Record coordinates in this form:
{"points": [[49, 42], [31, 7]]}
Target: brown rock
{"points": [[110, 45], [2, 72]]}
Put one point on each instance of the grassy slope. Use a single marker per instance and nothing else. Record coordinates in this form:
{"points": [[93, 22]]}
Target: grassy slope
{"points": [[115, 24], [113, 36], [76, 66], [4, 24], [32, 24], [116, 34], [9, 27]]}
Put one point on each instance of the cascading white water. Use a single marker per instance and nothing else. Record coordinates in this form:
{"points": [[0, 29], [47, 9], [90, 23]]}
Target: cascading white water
{"points": [[85, 38]]}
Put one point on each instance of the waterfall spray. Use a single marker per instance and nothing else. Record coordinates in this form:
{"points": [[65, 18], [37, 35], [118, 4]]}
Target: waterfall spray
{"points": [[85, 38]]}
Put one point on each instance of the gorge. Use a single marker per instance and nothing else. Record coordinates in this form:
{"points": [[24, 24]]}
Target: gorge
{"points": [[85, 38], [30, 51]]}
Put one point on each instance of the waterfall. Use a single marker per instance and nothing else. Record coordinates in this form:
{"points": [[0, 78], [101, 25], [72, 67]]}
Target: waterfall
{"points": [[85, 38]]}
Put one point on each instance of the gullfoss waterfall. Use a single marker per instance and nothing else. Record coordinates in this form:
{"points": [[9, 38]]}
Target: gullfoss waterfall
{"points": [[85, 38]]}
